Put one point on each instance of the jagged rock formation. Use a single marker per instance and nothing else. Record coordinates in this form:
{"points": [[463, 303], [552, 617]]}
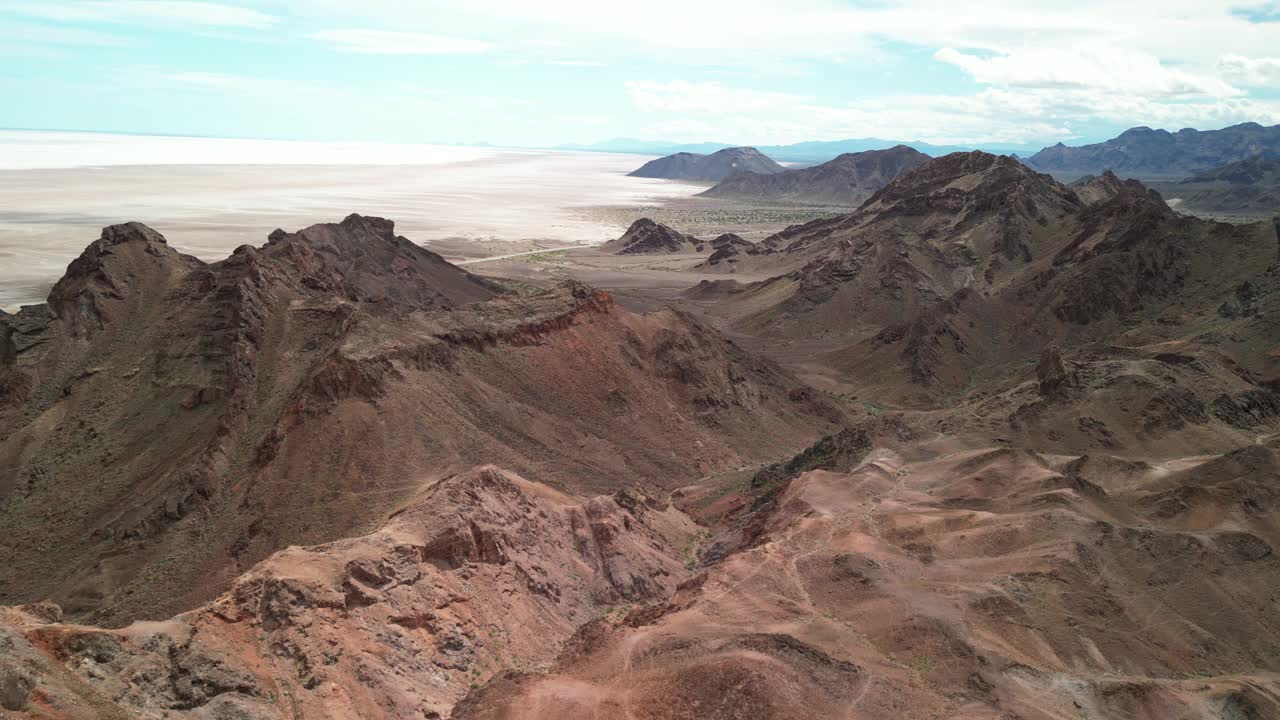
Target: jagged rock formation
{"points": [[1094, 189], [646, 237], [1142, 151], [848, 179], [484, 572], [165, 422], [727, 248], [708, 168], [1052, 373]]}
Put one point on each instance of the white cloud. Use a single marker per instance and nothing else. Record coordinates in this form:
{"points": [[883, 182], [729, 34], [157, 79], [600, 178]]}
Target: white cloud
{"points": [[1250, 71], [387, 42], [681, 96], [576, 63], [148, 12], [692, 112], [1100, 68], [28, 33], [760, 32]]}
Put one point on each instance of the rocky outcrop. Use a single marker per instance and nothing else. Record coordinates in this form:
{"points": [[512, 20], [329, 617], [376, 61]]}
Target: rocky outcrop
{"points": [[1094, 189], [485, 573], [1052, 374], [727, 248], [129, 265], [646, 237]]}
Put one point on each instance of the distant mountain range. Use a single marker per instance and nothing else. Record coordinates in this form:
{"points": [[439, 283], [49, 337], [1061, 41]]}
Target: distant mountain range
{"points": [[809, 153], [1137, 152], [1249, 188], [1148, 153], [848, 179]]}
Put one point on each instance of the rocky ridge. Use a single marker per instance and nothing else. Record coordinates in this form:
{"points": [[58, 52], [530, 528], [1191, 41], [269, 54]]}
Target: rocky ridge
{"points": [[848, 179]]}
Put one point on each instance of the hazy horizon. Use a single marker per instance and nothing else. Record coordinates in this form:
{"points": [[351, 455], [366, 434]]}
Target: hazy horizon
{"points": [[568, 72]]}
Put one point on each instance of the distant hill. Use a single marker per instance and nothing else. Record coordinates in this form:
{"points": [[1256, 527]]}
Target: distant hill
{"points": [[1245, 187], [714, 167], [646, 237], [1149, 153], [849, 179], [807, 153]]}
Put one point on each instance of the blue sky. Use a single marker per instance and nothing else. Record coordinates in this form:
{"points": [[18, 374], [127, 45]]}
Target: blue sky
{"points": [[540, 73]]}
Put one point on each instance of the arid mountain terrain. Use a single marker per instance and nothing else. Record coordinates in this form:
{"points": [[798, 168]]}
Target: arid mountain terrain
{"points": [[961, 270], [848, 179], [708, 168], [988, 447], [1159, 154], [1243, 188], [159, 412]]}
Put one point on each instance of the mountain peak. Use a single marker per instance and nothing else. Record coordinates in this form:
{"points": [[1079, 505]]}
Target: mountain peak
{"points": [[130, 232], [708, 168], [646, 236], [970, 186], [127, 262]]}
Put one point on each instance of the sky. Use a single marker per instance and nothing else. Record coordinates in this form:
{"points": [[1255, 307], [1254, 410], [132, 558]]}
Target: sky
{"points": [[540, 73]]}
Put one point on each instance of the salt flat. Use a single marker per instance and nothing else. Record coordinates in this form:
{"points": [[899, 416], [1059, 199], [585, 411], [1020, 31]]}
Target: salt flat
{"points": [[208, 196]]}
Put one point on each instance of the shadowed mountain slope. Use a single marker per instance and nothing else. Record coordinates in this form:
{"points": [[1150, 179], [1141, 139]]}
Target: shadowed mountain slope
{"points": [[847, 180], [1144, 152], [708, 168]]}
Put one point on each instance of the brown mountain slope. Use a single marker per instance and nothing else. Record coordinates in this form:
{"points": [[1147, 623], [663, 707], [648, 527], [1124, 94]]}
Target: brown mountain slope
{"points": [[959, 273], [485, 571], [915, 580], [166, 423], [988, 583], [1093, 189], [848, 179]]}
